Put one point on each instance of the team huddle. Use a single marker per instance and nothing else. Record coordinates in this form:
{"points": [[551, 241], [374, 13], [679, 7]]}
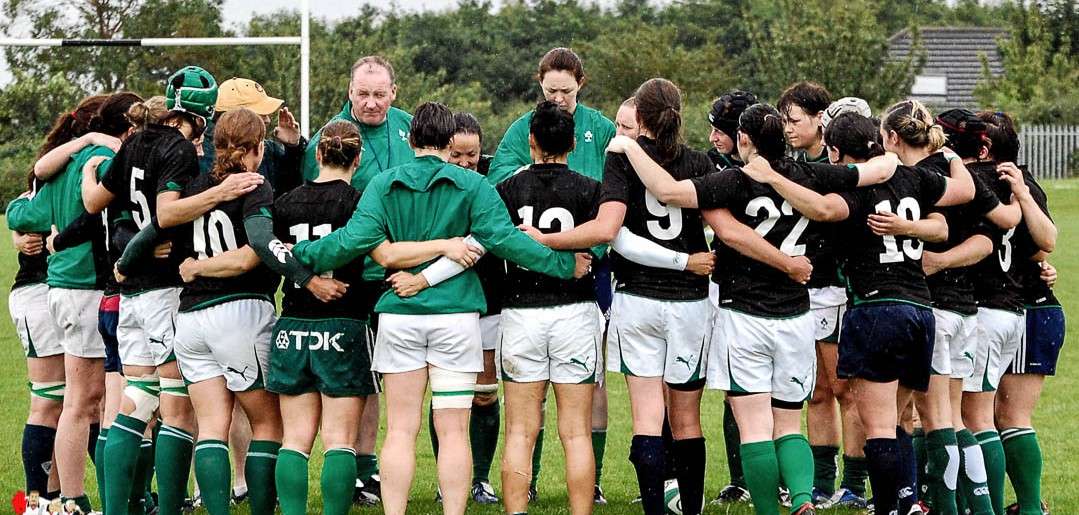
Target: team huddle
{"points": [[888, 273]]}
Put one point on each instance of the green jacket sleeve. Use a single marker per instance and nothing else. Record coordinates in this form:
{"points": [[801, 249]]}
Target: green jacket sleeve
{"points": [[309, 168], [492, 227], [512, 153], [29, 215], [363, 232]]}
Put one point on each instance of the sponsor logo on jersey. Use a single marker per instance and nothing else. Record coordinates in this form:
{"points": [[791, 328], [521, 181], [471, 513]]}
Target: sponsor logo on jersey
{"points": [[588, 136], [280, 251], [315, 340]]}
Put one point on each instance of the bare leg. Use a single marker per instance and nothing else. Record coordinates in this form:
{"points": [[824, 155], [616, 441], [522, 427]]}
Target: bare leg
{"points": [[82, 403], [575, 431], [404, 405], [523, 419]]}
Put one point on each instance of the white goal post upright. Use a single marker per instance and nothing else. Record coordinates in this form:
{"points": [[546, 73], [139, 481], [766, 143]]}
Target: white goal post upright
{"points": [[303, 40]]}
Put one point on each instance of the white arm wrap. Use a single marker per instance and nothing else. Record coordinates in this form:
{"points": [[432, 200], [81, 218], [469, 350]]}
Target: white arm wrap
{"points": [[647, 252]]}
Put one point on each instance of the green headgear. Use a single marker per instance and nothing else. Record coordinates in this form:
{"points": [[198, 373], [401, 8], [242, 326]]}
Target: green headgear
{"points": [[192, 90]]}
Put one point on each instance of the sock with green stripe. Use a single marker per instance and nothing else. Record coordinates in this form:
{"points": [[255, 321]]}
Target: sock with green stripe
{"points": [[855, 472], [483, 436], [212, 471], [143, 467], [973, 493], [121, 458], [993, 452], [259, 470], [172, 454], [1024, 465], [99, 465], [761, 467], [290, 477], [795, 461], [824, 467], [921, 457], [149, 484], [599, 447], [942, 470], [338, 481], [732, 445], [366, 466], [537, 459]]}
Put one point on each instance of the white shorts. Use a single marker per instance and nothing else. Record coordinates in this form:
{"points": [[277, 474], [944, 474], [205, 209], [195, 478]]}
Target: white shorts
{"points": [[1000, 333], [38, 333], [75, 313], [763, 355], [490, 331], [147, 327], [231, 339], [560, 344], [659, 338], [411, 342], [827, 306], [954, 344]]}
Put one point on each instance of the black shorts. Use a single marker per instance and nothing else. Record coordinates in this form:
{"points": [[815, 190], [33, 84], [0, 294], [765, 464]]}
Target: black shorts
{"points": [[1042, 342], [108, 317], [887, 342]]}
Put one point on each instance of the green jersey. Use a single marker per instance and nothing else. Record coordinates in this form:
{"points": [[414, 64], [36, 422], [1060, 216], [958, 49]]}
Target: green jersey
{"points": [[384, 146], [425, 200], [592, 130]]}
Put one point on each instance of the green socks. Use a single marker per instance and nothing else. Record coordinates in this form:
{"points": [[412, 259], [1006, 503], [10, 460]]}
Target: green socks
{"points": [[993, 452], [761, 469], [483, 436], [338, 481], [1024, 465], [212, 470], [855, 472], [732, 445], [942, 470], [121, 459], [259, 470], [795, 467], [367, 466], [973, 493], [599, 447], [537, 459], [824, 468], [172, 455], [291, 479], [99, 464], [143, 467]]}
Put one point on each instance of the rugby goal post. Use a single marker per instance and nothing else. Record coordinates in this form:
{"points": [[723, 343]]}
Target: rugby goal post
{"points": [[304, 40]]}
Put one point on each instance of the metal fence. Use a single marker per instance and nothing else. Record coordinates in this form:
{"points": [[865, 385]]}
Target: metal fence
{"points": [[1051, 151]]}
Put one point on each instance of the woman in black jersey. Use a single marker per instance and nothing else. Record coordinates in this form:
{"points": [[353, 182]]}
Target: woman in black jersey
{"points": [[802, 105], [887, 334]]}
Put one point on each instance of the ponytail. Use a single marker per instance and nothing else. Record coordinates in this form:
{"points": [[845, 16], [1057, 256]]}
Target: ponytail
{"points": [[911, 120], [762, 124], [340, 144], [659, 109], [238, 133]]}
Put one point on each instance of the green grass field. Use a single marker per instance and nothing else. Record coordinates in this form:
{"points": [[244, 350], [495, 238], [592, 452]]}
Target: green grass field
{"points": [[1053, 419]]}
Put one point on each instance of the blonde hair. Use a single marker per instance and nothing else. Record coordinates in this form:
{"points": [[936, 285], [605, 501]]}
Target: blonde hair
{"points": [[237, 133], [151, 110], [914, 124]]}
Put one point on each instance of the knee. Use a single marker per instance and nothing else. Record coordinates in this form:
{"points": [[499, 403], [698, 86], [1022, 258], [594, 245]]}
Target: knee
{"points": [[822, 395], [484, 396]]}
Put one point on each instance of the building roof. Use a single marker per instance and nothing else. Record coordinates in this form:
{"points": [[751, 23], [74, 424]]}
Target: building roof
{"points": [[953, 64]]}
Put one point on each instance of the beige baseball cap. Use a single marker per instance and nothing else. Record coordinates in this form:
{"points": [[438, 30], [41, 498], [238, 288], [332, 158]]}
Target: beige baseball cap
{"points": [[236, 93]]}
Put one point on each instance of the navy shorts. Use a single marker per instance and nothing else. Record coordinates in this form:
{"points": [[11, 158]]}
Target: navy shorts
{"points": [[108, 317], [601, 271], [1042, 342], [887, 342]]}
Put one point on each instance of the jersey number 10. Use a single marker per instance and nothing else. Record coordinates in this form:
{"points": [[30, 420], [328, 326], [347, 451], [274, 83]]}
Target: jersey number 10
{"points": [[216, 229]]}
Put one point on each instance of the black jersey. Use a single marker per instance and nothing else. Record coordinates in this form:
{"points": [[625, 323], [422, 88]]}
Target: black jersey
{"points": [[997, 276], [32, 269], [152, 161], [721, 160], [491, 269], [748, 285], [1035, 292], [888, 268], [310, 212], [552, 198], [952, 289], [678, 229], [218, 231]]}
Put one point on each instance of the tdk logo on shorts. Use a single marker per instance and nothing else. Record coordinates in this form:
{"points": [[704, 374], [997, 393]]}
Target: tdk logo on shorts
{"points": [[316, 340]]}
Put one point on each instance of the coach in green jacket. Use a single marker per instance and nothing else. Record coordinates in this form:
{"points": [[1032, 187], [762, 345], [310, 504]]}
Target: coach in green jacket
{"points": [[384, 129]]}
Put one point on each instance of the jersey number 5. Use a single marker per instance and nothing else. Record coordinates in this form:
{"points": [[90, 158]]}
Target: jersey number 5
{"points": [[216, 228], [908, 210], [142, 214]]}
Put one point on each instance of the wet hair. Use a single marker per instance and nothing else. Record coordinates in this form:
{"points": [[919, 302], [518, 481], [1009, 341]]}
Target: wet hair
{"points": [[659, 109], [432, 126], [376, 60], [151, 110], [69, 126], [112, 115], [237, 133], [810, 96], [763, 126], [466, 123], [552, 128], [1003, 136], [965, 132], [854, 135], [914, 124], [562, 59], [340, 144]]}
